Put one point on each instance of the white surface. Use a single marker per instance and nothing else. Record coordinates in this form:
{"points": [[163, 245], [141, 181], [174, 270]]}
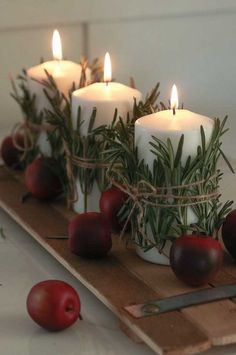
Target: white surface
{"points": [[22, 264]]}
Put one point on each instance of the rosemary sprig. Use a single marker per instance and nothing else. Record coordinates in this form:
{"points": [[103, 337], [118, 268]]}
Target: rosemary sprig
{"points": [[96, 70], [98, 144], [148, 106], [158, 224], [90, 147], [26, 101]]}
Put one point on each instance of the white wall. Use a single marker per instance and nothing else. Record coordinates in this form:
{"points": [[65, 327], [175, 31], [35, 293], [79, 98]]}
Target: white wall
{"points": [[189, 42]]}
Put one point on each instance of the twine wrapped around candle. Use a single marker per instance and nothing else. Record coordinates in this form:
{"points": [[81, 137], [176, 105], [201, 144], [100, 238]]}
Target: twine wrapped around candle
{"points": [[26, 128], [88, 163], [144, 190], [80, 162]]}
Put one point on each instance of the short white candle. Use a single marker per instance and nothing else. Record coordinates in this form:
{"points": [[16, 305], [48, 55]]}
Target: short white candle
{"points": [[172, 124], [106, 97], [64, 72], [165, 124]]}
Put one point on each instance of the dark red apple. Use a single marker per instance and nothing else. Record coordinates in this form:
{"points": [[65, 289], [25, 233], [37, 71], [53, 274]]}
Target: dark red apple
{"points": [[110, 204], [229, 233], [196, 259], [89, 235], [11, 155], [53, 304], [41, 180]]}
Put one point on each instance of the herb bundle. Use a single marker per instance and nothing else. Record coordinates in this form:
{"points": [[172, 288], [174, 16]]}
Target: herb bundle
{"points": [[160, 199], [87, 157]]}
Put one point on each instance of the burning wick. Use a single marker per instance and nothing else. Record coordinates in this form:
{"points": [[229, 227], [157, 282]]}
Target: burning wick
{"points": [[107, 69], [56, 46], [174, 102]]}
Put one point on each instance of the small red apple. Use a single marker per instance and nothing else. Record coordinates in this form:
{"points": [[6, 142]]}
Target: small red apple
{"points": [[53, 304], [89, 235], [40, 179], [11, 155], [196, 259], [110, 204], [229, 233]]}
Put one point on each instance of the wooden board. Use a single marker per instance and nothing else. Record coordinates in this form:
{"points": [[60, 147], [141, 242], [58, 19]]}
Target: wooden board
{"points": [[188, 331]]}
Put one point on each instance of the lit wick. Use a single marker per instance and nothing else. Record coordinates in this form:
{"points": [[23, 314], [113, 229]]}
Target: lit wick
{"points": [[56, 46], [107, 69], [174, 102]]}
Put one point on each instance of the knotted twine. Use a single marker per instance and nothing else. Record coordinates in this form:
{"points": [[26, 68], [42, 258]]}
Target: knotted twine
{"points": [[27, 129], [143, 191]]}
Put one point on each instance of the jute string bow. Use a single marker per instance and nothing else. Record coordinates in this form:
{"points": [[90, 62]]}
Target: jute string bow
{"points": [[143, 194], [27, 129]]}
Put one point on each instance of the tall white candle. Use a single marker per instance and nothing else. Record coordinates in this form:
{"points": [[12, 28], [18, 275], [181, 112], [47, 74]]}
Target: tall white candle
{"points": [[64, 72], [172, 124], [106, 97]]}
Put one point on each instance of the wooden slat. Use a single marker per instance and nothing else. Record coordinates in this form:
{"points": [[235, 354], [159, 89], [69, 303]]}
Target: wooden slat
{"points": [[112, 283], [217, 319]]}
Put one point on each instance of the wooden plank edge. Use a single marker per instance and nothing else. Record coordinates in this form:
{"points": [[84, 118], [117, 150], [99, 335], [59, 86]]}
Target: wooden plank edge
{"points": [[133, 328], [203, 345], [215, 340]]}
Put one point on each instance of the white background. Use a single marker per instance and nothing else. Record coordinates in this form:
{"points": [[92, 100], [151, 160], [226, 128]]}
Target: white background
{"points": [[189, 42]]}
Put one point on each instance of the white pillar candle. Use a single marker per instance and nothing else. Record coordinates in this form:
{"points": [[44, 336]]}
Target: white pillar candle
{"points": [[165, 125], [106, 97], [172, 124], [64, 72]]}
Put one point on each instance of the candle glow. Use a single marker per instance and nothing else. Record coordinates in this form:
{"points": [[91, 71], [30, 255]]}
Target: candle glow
{"points": [[174, 101], [107, 68], [56, 45]]}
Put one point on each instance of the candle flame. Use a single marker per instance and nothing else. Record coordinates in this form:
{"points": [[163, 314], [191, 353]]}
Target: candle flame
{"points": [[174, 101], [56, 45], [107, 68]]}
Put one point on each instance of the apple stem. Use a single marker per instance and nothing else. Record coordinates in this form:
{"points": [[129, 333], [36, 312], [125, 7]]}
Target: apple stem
{"points": [[25, 197]]}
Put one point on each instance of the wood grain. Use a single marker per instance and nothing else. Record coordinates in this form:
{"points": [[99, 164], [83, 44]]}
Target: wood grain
{"points": [[123, 278], [217, 319]]}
